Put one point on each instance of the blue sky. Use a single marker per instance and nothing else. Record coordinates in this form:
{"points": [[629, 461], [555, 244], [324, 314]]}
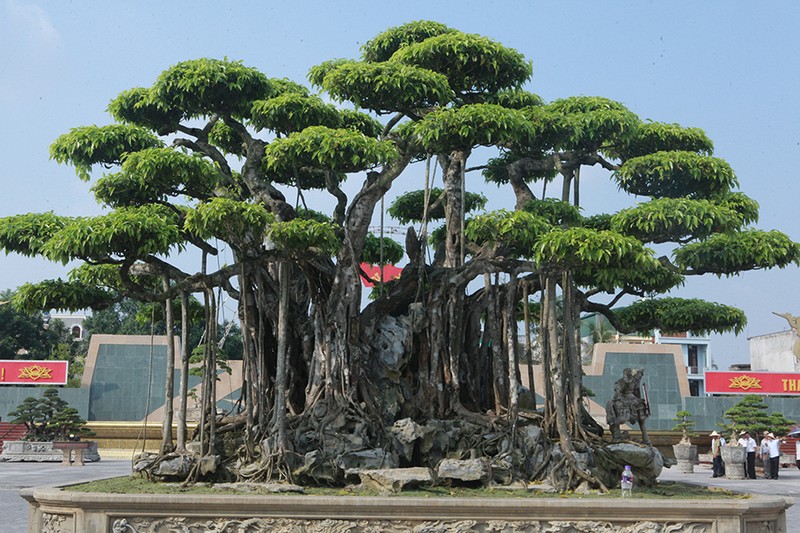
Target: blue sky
{"points": [[730, 68]]}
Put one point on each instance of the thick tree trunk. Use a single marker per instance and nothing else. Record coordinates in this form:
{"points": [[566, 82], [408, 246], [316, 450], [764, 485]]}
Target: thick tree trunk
{"points": [[212, 372], [511, 346], [183, 386], [169, 387], [279, 420], [571, 354], [494, 342], [249, 376], [528, 346], [453, 175]]}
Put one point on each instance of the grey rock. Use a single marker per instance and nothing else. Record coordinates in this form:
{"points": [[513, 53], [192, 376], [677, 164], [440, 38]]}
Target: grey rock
{"points": [[405, 433], [373, 459], [544, 488], [319, 468], [178, 466], [463, 470], [209, 464], [194, 447], [260, 488], [393, 480], [646, 461]]}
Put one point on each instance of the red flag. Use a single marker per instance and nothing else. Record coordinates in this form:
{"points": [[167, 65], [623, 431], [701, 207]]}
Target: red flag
{"points": [[373, 272]]}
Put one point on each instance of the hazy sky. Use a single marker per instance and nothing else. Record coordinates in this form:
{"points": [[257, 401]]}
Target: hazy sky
{"points": [[728, 67]]}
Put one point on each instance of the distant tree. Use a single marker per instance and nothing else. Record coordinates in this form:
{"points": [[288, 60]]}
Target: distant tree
{"points": [[752, 414], [23, 335], [600, 331], [32, 335], [65, 347], [125, 317]]}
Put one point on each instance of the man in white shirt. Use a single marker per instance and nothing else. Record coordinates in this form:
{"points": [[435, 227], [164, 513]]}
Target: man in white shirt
{"points": [[774, 456], [749, 444], [763, 453], [797, 452]]}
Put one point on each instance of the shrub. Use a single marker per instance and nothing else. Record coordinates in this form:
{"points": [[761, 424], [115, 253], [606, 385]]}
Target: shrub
{"points": [[50, 418]]}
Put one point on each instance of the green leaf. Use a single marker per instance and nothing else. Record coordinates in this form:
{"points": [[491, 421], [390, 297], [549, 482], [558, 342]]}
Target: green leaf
{"points": [[679, 314], [675, 175], [728, 254], [90, 145]]}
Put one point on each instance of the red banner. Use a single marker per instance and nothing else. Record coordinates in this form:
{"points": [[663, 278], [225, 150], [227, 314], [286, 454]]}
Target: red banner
{"points": [[33, 372], [765, 383], [390, 272]]}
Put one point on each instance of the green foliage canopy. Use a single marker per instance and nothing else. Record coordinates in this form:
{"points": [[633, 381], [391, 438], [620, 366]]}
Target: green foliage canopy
{"points": [[675, 219], [383, 87], [472, 63], [385, 44], [27, 234], [676, 174], [329, 149], [728, 254], [392, 251], [126, 232], [409, 206], [90, 145], [681, 314]]}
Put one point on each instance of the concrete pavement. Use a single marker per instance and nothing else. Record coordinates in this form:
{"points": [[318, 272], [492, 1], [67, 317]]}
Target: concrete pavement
{"points": [[17, 476]]}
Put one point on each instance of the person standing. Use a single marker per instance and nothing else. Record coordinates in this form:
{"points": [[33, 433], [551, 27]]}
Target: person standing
{"points": [[797, 452], [749, 444], [717, 466], [763, 453], [774, 456]]}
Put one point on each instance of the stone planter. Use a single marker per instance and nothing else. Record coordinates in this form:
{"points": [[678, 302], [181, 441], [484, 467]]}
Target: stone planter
{"points": [[22, 450], [53, 510], [686, 454], [734, 457]]}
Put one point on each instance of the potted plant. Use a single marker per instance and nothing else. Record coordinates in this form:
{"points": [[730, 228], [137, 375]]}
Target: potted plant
{"points": [[685, 452], [47, 419]]}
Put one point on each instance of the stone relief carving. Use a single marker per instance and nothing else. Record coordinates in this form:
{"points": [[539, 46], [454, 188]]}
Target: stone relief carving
{"points": [[57, 523], [285, 525]]}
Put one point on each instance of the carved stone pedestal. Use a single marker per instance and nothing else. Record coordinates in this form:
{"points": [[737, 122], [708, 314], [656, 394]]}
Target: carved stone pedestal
{"points": [[686, 454], [70, 448], [734, 457], [21, 450]]}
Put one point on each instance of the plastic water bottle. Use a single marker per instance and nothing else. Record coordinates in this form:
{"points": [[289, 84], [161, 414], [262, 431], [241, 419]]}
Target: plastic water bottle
{"points": [[626, 483]]}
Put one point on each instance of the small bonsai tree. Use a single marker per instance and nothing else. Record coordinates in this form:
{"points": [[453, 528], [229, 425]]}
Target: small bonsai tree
{"points": [[752, 413], [684, 425], [49, 418]]}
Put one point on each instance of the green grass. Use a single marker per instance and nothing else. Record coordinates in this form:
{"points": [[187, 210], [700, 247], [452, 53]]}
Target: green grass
{"points": [[665, 490]]}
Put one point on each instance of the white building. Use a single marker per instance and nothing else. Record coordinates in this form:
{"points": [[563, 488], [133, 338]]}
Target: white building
{"points": [[773, 352], [696, 357], [73, 322]]}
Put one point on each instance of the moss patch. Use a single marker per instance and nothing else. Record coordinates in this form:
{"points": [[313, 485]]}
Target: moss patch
{"points": [[668, 489]]}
